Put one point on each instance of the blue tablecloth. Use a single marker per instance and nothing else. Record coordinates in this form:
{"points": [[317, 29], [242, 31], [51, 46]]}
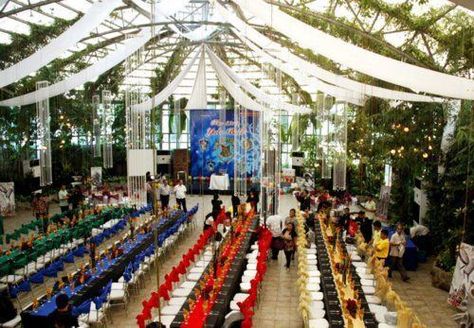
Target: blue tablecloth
{"points": [[49, 306]]}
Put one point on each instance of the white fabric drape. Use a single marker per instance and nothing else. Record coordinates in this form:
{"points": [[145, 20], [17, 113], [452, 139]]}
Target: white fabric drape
{"points": [[239, 96], [94, 16], [293, 63], [367, 62], [271, 101], [88, 74], [198, 98], [168, 90], [302, 67], [308, 83]]}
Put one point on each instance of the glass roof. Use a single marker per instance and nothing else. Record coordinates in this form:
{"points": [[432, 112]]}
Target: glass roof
{"points": [[16, 16]]}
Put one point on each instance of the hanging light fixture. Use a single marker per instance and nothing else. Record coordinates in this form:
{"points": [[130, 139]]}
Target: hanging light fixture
{"points": [[107, 121], [340, 146], [96, 126], [43, 120]]}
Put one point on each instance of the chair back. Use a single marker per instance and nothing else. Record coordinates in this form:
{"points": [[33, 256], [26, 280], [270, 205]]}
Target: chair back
{"points": [[233, 319]]}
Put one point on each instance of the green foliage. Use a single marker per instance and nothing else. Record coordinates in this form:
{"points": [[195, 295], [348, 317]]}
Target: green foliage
{"points": [[451, 194]]}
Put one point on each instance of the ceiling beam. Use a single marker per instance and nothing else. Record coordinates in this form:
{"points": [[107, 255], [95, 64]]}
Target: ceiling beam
{"points": [[27, 7]]}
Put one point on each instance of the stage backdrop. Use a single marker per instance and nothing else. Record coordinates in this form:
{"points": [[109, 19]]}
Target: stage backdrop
{"points": [[209, 155]]}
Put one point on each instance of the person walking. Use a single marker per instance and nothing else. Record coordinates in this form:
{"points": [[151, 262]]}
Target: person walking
{"points": [[180, 192], [63, 196], [397, 249], [289, 237], [275, 224], [164, 194]]}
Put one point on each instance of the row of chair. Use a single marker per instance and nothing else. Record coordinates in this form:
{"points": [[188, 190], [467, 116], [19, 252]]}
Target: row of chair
{"points": [[133, 280]]}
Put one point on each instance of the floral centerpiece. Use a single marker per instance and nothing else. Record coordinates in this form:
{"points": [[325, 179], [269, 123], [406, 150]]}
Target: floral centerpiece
{"points": [[210, 285], [340, 264]]}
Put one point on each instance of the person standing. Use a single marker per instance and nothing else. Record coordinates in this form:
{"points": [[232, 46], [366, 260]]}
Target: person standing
{"points": [[365, 226], [304, 200], [253, 199], [289, 237], [40, 210], [164, 194], [382, 246], [235, 203], [275, 225], [345, 219], [377, 232], [77, 198], [216, 205], [397, 249], [291, 218], [180, 192], [63, 196]]}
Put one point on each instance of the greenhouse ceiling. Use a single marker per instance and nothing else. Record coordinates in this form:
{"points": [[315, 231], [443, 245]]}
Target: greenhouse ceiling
{"points": [[414, 31]]}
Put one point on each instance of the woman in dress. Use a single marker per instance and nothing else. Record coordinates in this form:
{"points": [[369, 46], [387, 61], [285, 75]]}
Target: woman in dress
{"points": [[289, 237]]}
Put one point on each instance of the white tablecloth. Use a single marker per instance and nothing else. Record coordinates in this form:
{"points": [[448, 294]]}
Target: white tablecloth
{"points": [[219, 182]]}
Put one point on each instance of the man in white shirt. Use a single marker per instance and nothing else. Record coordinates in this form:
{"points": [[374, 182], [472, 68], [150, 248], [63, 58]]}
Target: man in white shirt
{"points": [[180, 191], [63, 199], [397, 249], [164, 194], [275, 225]]}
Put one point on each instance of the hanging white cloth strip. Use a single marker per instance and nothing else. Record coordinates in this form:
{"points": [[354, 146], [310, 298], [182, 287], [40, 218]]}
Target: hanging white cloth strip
{"points": [[88, 74], [198, 98], [168, 90], [384, 68], [308, 83], [239, 96], [94, 16], [300, 67], [271, 101]]}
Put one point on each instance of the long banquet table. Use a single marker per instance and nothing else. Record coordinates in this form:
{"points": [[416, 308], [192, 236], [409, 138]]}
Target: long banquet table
{"points": [[231, 286], [41, 317]]}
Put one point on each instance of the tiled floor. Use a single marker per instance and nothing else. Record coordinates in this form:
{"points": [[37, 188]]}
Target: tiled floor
{"points": [[428, 302], [278, 303]]}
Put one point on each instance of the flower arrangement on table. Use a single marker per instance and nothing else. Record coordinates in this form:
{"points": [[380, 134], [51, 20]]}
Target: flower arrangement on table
{"points": [[211, 284], [246, 307], [405, 316], [302, 281], [352, 311], [172, 277]]}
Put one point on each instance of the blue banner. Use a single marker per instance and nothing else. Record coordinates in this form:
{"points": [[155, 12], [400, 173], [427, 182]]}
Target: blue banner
{"points": [[213, 153]]}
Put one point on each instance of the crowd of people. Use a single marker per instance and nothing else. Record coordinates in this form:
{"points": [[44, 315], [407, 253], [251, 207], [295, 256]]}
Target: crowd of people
{"points": [[388, 248]]}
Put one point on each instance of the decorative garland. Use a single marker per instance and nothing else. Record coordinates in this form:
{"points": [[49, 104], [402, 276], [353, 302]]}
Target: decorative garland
{"points": [[211, 284], [246, 307], [352, 310], [173, 276], [302, 281], [405, 316]]}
